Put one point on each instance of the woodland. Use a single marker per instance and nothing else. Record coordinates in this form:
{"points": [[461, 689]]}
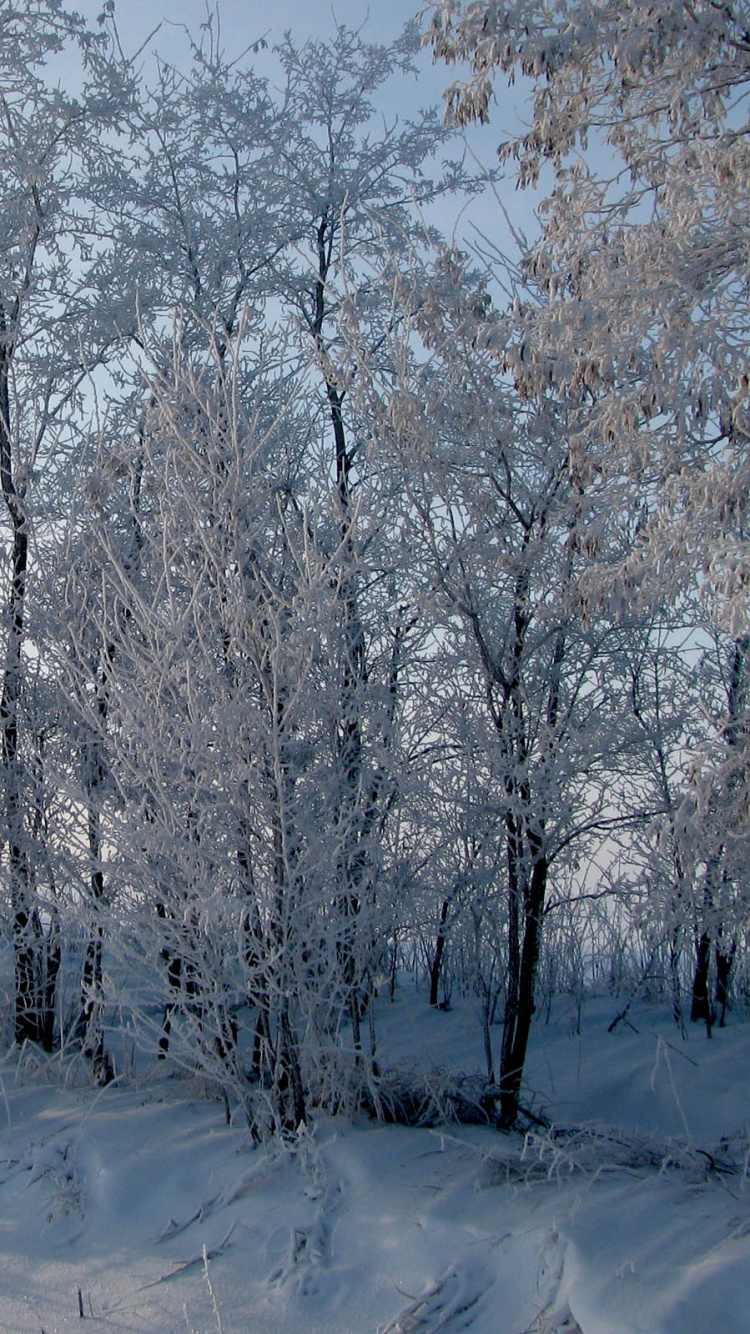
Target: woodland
{"points": [[375, 606]]}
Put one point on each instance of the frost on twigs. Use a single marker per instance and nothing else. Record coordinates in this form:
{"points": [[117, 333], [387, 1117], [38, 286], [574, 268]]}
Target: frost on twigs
{"points": [[398, 1099], [561, 1153], [642, 265]]}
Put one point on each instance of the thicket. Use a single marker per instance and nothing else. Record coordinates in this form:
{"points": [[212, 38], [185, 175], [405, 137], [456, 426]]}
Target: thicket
{"points": [[358, 619]]}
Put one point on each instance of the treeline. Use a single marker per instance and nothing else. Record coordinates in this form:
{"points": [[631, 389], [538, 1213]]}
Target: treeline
{"points": [[367, 601]]}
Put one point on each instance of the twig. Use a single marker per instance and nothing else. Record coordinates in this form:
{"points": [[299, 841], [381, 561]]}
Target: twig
{"points": [[214, 1303], [184, 1265]]}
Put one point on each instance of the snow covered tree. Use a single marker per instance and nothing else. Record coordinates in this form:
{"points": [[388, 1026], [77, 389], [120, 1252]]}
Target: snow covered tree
{"points": [[640, 113], [207, 666], [235, 531], [55, 323], [361, 190], [500, 533]]}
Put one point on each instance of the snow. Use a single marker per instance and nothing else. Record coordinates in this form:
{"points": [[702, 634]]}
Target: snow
{"points": [[633, 1218]]}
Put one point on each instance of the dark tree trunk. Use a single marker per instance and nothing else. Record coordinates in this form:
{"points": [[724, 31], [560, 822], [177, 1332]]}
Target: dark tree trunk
{"points": [[520, 1012], [52, 960], [512, 990], [437, 958], [701, 1009], [90, 1024], [27, 932]]}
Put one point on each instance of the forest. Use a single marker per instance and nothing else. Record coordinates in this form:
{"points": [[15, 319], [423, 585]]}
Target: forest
{"points": [[375, 605]]}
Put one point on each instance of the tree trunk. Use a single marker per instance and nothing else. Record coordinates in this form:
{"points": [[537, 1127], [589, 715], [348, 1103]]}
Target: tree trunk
{"points": [[288, 1081], [27, 930], [354, 816], [509, 1106], [52, 959], [724, 961], [437, 958], [700, 1009], [520, 1007], [90, 1024], [674, 973]]}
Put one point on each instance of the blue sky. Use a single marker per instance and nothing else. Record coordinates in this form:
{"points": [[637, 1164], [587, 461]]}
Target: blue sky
{"points": [[244, 22]]}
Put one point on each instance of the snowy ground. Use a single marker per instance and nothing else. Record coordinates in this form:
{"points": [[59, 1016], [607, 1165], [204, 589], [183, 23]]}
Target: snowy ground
{"points": [[143, 1210]]}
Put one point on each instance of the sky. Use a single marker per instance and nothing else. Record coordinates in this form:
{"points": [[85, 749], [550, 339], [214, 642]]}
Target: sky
{"points": [[245, 22]]}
